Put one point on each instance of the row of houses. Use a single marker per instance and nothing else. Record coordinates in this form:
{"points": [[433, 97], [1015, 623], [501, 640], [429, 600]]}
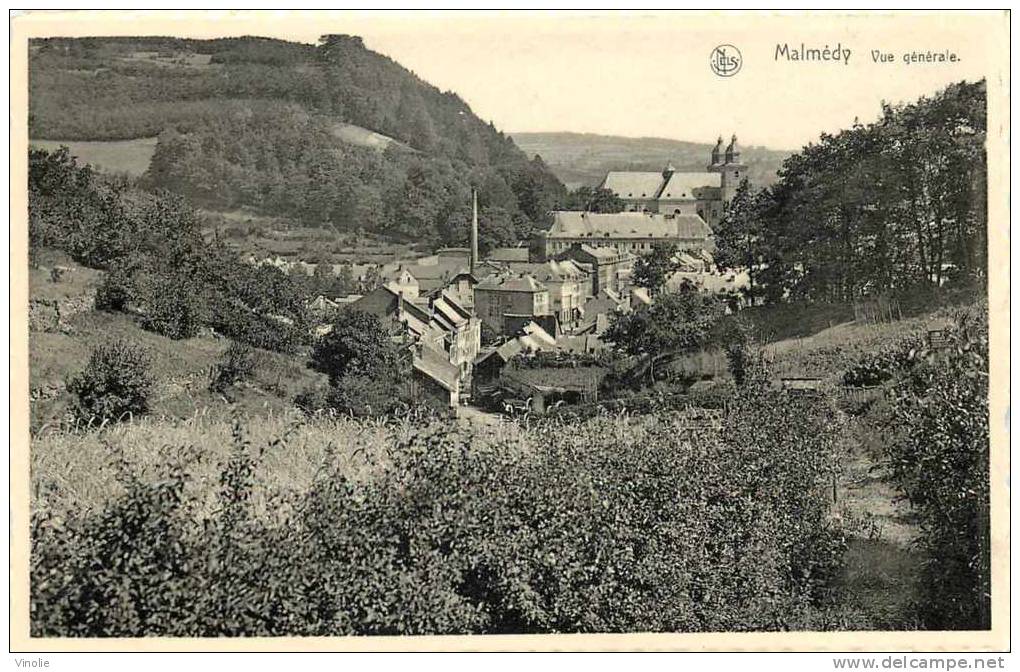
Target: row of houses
{"points": [[441, 306], [558, 294]]}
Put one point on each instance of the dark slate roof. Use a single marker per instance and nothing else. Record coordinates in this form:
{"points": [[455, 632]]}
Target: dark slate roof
{"points": [[510, 283]]}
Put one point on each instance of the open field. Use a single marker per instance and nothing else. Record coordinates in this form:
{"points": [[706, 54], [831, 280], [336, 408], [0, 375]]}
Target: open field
{"points": [[363, 137], [265, 236], [109, 156]]}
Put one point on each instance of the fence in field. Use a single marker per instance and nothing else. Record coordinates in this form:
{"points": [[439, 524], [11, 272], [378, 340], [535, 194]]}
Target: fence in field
{"points": [[861, 394]]}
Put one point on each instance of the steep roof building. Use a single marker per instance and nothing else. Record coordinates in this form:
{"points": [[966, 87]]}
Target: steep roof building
{"points": [[624, 232], [673, 192]]}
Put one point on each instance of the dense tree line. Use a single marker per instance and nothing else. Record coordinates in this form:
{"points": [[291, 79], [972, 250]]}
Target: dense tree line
{"points": [[884, 207], [158, 264], [256, 127]]}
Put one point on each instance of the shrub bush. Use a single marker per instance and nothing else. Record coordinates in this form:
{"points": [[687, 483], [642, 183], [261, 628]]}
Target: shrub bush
{"points": [[940, 457], [171, 306], [114, 382], [366, 396], [313, 399], [116, 290], [237, 365], [605, 529]]}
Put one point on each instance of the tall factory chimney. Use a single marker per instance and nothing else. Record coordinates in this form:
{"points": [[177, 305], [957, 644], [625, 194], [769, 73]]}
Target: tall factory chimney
{"points": [[474, 230]]}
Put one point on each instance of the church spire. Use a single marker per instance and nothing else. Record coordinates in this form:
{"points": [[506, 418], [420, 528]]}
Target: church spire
{"points": [[717, 152], [733, 152]]}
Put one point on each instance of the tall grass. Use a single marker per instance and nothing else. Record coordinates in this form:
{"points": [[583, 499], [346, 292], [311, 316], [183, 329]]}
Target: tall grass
{"points": [[325, 526]]}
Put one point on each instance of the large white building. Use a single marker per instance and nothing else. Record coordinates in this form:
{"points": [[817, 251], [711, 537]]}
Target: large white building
{"points": [[671, 192], [625, 232]]}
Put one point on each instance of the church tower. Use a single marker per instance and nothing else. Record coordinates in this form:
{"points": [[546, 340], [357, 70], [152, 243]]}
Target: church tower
{"points": [[717, 152], [733, 171]]}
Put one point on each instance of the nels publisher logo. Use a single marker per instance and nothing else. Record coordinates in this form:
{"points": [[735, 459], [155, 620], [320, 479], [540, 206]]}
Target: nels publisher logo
{"points": [[726, 60]]}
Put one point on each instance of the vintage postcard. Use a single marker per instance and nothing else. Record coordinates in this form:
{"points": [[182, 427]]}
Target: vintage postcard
{"points": [[509, 331]]}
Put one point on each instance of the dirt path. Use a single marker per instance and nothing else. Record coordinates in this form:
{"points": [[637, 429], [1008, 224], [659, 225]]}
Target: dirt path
{"points": [[881, 564], [478, 417]]}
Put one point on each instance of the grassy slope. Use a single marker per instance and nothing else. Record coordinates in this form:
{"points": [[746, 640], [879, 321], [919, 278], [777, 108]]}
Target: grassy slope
{"points": [[879, 581], [113, 156], [181, 368], [73, 471]]}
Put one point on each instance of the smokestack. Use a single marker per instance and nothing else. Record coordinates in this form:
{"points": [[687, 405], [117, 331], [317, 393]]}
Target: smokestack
{"points": [[474, 230]]}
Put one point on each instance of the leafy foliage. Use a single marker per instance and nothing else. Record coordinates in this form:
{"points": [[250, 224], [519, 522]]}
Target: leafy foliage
{"points": [[892, 206], [594, 199], [459, 534], [114, 383], [367, 369], [940, 457], [675, 323], [737, 237], [652, 270], [237, 365], [158, 264]]}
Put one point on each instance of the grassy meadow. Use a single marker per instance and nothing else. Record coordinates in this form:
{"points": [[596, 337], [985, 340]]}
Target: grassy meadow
{"points": [[111, 156]]}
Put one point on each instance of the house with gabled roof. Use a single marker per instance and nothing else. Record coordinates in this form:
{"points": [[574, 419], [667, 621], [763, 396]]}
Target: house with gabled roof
{"points": [[440, 323], [506, 293], [566, 281], [434, 379], [603, 265]]}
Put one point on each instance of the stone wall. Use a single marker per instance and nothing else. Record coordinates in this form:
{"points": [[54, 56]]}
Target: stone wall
{"points": [[54, 315]]}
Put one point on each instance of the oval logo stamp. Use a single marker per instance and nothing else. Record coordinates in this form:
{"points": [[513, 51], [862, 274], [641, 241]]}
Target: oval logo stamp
{"points": [[726, 60]]}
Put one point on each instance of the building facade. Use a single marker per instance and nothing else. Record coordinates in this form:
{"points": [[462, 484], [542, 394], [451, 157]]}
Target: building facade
{"points": [[631, 233], [565, 280], [672, 192], [603, 264], [499, 295]]}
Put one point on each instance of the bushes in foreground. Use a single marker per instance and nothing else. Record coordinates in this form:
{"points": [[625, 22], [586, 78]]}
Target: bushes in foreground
{"points": [[940, 457], [114, 383], [606, 528]]}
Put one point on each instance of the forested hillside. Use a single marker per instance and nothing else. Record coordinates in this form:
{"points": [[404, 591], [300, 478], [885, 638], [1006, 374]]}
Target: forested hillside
{"points": [[266, 124], [585, 158]]}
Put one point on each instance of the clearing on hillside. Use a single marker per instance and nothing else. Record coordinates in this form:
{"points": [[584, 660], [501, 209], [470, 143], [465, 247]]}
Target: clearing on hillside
{"points": [[109, 156]]}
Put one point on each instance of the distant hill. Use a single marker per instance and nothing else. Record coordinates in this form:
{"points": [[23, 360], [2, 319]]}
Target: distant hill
{"points": [[585, 158], [329, 135]]}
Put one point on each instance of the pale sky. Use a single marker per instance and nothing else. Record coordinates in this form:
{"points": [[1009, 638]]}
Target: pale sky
{"points": [[645, 74]]}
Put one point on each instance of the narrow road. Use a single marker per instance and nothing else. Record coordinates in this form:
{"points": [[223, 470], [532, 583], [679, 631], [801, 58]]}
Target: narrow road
{"points": [[478, 417]]}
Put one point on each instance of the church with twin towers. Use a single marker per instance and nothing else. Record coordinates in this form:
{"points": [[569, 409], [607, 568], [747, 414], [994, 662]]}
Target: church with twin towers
{"points": [[673, 193]]}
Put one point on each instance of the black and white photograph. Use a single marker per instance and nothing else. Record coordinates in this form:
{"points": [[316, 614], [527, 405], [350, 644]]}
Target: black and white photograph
{"points": [[384, 324]]}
